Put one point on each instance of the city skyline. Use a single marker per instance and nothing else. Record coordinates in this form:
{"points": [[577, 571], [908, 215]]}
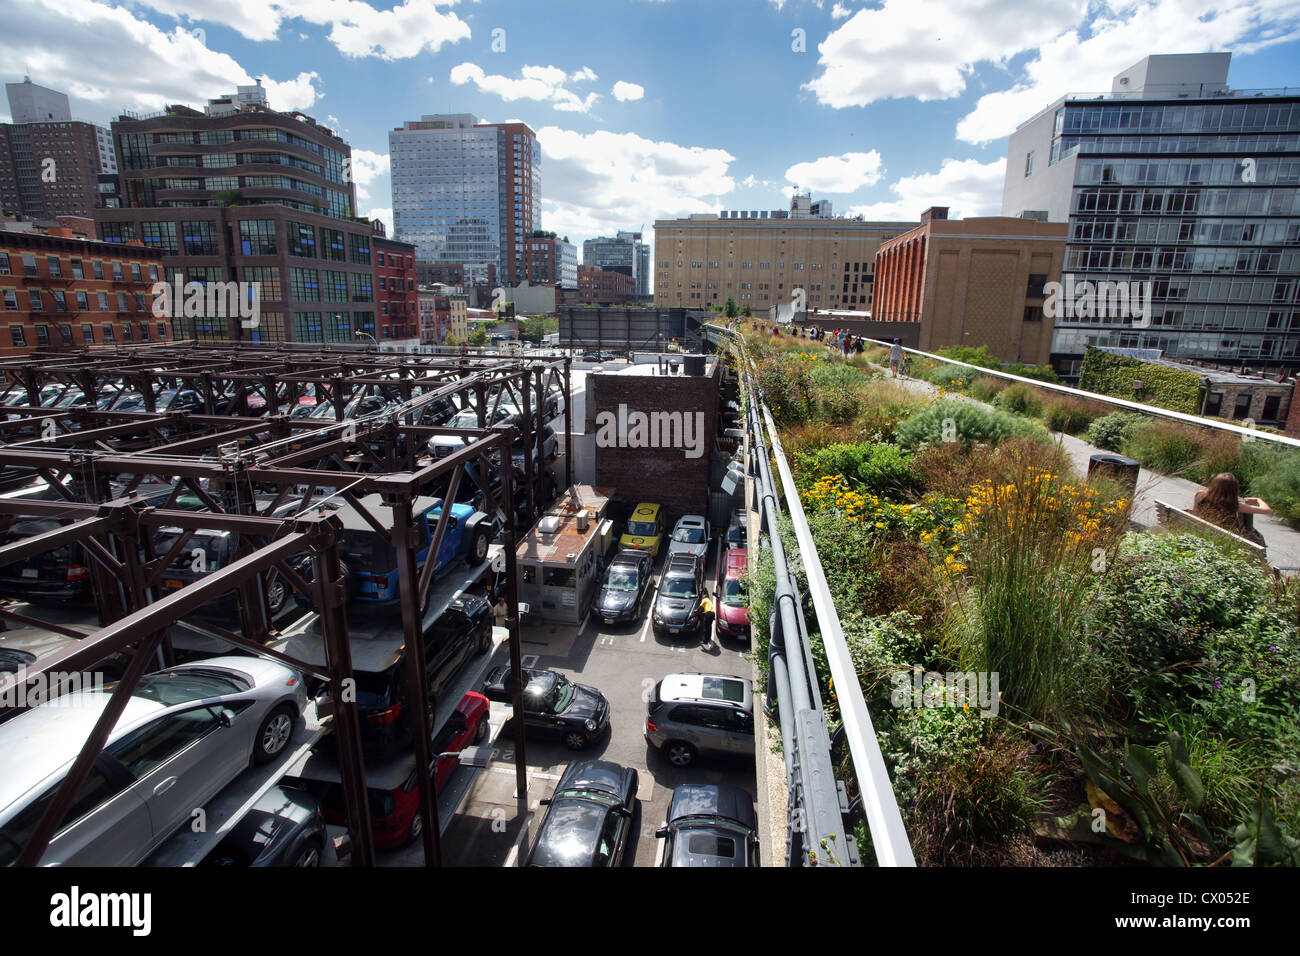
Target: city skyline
{"points": [[653, 109]]}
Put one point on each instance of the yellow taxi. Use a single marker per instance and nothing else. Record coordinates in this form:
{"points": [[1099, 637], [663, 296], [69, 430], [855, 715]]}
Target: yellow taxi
{"points": [[645, 529]]}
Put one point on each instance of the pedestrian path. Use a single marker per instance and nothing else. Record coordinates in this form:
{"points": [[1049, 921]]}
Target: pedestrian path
{"points": [[1282, 540]]}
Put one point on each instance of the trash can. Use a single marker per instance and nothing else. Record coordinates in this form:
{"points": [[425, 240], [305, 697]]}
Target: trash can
{"points": [[1124, 470]]}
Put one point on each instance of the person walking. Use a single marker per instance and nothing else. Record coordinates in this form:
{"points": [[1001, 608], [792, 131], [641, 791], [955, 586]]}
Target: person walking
{"points": [[895, 356], [500, 612], [706, 620]]}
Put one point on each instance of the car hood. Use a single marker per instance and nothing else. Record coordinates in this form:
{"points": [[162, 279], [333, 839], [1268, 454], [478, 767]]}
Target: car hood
{"points": [[733, 614], [682, 547], [674, 609], [587, 703], [615, 601]]}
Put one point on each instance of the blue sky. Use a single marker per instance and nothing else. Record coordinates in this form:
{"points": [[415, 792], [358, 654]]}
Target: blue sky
{"points": [[655, 108]]}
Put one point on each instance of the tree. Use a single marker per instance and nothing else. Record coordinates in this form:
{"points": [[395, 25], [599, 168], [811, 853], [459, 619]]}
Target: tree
{"points": [[535, 327], [748, 312], [731, 310], [479, 337]]}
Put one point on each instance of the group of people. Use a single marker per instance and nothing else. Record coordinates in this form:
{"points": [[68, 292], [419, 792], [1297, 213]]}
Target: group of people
{"points": [[840, 339]]}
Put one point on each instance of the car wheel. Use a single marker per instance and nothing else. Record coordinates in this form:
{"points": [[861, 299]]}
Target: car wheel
{"points": [[277, 596], [478, 548], [416, 828], [679, 753], [485, 641], [273, 735], [575, 740], [481, 731], [309, 855]]}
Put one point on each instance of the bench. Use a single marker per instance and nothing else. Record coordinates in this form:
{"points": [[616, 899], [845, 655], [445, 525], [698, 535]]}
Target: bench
{"points": [[1176, 519]]}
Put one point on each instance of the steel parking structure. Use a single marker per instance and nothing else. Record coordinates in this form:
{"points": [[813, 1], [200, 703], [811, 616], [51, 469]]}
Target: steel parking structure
{"points": [[821, 813], [263, 477]]}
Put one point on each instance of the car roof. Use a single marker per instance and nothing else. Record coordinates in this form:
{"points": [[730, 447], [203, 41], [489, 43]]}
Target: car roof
{"points": [[646, 510], [737, 559], [691, 521], [602, 775], [569, 834], [721, 800], [697, 687]]}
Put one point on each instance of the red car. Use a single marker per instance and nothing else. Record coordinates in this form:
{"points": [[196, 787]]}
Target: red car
{"points": [[732, 594], [391, 789]]}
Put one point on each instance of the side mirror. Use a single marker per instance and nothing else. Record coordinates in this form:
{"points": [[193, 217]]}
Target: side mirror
{"points": [[661, 833], [225, 717], [545, 803]]}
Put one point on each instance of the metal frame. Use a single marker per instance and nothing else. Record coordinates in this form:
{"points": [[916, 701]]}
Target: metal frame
{"points": [[242, 468]]}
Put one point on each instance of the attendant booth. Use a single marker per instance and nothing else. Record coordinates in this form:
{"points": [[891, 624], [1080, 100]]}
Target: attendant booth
{"points": [[561, 560]]}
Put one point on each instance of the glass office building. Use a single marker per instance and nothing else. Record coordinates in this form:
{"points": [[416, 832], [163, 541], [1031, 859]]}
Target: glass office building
{"points": [[1182, 183], [466, 193]]}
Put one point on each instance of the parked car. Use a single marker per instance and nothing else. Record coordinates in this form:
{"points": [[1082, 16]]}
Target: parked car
{"points": [[391, 789], [691, 536], [24, 645], [626, 583], [554, 705], [186, 732], [60, 574], [681, 594], [737, 529], [709, 825], [451, 639], [286, 827], [440, 446], [550, 447], [588, 818], [732, 594], [645, 529], [209, 550], [693, 714]]}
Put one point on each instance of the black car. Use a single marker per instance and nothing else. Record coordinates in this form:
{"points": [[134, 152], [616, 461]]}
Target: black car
{"points": [[627, 579], [588, 818], [554, 705], [209, 550], [284, 828], [709, 825], [681, 593], [60, 574], [737, 530], [451, 638]]}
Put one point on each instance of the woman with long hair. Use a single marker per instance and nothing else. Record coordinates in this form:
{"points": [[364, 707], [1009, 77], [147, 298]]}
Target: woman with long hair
{"points": [[1221, 503]]}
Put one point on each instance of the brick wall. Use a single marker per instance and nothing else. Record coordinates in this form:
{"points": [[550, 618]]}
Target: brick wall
{"points": [[1293, 420], [661, 475]]}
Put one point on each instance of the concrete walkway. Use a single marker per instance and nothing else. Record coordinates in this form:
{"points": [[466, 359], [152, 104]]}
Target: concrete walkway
{"points": [[1283, 541]]}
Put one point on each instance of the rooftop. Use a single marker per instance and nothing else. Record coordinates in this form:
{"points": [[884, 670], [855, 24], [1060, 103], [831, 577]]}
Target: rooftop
{"points": [[564, 542]]}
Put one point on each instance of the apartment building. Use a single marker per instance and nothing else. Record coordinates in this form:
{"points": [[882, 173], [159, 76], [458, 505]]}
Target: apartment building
{"points": [[395, 289], [604, 286], [624, 252], [1174, 179], [550, 260]]}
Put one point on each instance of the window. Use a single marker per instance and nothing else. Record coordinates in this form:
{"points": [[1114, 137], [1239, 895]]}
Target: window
{"points": [[16, 336], [34, 301], [96, 791], [257, 237], [1029, 163], [144, 331], [29, 264], [162, 330], [88, 334], [97, 269], [65, 334], [1034, 289], [302, 240], [1033, 313], [52, 263], [117, 272], [103, 301], [359, 249], [198, 238], [151, 746], [11, 300], [60, 300], [1242, 409], [304, 284], [126, 332], [361, 287], [1271, 405], [108, 332], [332, 247], [135, 272], [335, 286], [83, 302], [4, 264]]}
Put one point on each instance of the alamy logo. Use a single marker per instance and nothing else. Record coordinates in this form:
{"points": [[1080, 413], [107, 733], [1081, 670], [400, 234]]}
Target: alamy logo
{"points": [[51, 687], [209, 300], [965, 689], [684, 430], [1098, 300], [131, 910]]}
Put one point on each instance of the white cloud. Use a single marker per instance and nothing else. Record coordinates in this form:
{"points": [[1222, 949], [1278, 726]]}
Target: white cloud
{"points": [[542, 83], [967, 186], [296, 94], [837, 174], [384, 213], [750, 181], [624, 91], [366, 166], [840, 11], [584, 75], [927, 48], [1070, 63], [597, 183], [356, 29]]}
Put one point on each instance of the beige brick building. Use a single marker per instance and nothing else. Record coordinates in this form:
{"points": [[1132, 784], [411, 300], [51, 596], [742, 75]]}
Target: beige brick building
{"points": [[701, 260], [973, 282]]}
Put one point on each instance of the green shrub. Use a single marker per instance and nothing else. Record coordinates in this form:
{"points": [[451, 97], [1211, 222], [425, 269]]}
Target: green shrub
{"points": [[1172, 388], [1279, 485], [971, 424], [881, 469], [786, 385], [952, 376], [1019, 399], [1070, 415], [986, 387], [1111, 431], [1043, 373], [1163, 447]]}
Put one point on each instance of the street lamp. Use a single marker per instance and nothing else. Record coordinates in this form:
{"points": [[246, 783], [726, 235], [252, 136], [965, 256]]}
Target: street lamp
{"points": [[369, 336]]}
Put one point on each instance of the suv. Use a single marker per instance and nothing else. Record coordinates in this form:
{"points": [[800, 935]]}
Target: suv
{"points": [[60, 574], [681, 591], [690, 535], [692, 714]]}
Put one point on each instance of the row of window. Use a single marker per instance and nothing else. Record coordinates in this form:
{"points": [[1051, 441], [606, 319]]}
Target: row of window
{"points": [[1223, 201], [108, 334], [1207, 259], [76, 268], [1167, 229], [35, 301]]}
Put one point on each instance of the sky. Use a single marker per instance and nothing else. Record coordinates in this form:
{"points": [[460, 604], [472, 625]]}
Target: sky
{"points": [[652, 109]]}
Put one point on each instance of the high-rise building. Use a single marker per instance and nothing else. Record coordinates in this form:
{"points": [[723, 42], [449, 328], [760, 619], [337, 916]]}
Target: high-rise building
{"points": [[549, 260], [1176, 180], [762, 260], [467, 193], [624, 252], [50, 164], [250, 196]]}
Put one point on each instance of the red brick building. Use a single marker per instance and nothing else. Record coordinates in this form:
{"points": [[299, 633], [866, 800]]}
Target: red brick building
{"points": [[604, 286], [59, 292], [395, 289]]}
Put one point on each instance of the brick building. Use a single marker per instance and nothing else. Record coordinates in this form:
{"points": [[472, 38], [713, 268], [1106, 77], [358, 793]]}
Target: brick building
{"points": [[61, 292], [972, 282], [664, 475], [399, 309], [604, 286]]}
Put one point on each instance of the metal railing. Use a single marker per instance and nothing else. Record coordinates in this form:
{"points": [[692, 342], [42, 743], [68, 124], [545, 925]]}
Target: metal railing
{"points": [[818, 805]]}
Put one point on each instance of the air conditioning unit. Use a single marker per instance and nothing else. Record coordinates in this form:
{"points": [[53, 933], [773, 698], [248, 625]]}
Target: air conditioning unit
{"points": [[582, 520]]}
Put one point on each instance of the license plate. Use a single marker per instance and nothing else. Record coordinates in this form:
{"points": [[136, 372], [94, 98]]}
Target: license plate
{"points": [[172, 583], [674, 630], [609, 620], [31, 573]]}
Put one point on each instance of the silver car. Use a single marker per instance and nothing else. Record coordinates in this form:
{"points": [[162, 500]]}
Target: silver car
{"points": [[185, 734], [690, 715], [690, 535]]}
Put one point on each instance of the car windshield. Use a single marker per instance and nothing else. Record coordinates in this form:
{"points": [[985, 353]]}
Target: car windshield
{"points": [[179, 687], [678, 586], [559, 697], [642, 528], [736, 535], [688, 535], [734, 593], [621, 579]]}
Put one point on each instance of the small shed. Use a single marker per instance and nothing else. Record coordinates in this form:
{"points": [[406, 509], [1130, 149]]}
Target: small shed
{"points": [[561, 559]]}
